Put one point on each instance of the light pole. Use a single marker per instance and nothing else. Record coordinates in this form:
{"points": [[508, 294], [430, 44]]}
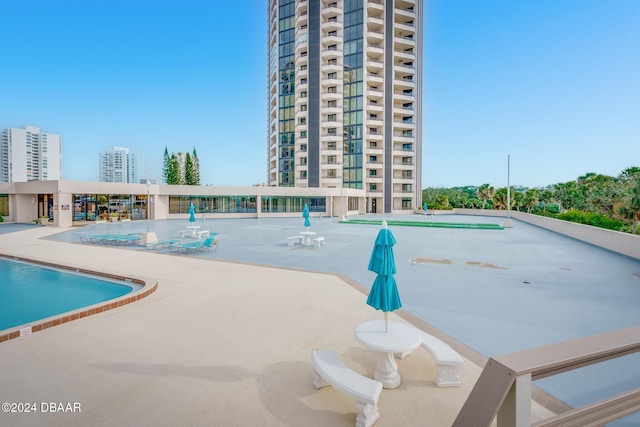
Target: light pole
{"points": [[507, 222], [149, 236], [148, 206]]}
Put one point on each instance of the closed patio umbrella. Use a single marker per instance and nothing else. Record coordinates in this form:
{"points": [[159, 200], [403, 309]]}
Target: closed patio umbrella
{"points": [[192, 213], [305, 215], [384, 292]]}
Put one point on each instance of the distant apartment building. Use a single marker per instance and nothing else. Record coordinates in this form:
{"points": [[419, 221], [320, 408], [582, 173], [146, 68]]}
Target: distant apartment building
{"points": [[345, 96], [30, 155], [118, 165]]}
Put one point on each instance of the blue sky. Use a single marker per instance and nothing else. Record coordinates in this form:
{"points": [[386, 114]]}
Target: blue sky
{"points": [[554, 84]]}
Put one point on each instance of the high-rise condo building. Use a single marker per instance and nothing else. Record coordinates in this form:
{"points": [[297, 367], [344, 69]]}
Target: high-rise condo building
{"points": [[344, 98], [30, 155], [118, 165]]}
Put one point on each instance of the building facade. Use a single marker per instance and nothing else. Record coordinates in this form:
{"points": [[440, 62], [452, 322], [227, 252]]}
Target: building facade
{"points": [[30, 155], [118, 165], [345, 96]]}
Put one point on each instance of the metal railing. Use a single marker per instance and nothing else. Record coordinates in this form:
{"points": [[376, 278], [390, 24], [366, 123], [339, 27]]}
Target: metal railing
{"points": [[503, 389]]}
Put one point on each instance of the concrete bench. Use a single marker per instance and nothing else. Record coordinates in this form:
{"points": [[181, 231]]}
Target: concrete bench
{"points": [[295, 240], [330, 370], [319, 241], [447, 360]]}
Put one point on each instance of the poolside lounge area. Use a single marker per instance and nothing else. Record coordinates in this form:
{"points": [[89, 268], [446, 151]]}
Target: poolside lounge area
{"points": [[220, 342]]}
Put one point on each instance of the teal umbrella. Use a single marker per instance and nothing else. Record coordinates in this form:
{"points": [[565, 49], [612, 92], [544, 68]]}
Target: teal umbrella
{"points": [[424, 207], [192, 213], [305, 215], [384, 292]]}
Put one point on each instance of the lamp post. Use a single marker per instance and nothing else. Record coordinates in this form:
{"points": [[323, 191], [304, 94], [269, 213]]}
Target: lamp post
{"points": [[148, 206], [150, 236], [507, 222]]}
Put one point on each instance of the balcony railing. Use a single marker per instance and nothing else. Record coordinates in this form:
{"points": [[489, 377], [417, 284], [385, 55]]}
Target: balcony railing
{"points": [[503, 389]]}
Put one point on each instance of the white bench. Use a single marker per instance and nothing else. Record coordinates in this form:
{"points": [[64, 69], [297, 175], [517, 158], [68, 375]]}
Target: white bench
{"points": [[295, 240], [319, 241], [447, 360], [331, 371], [202, 233]]}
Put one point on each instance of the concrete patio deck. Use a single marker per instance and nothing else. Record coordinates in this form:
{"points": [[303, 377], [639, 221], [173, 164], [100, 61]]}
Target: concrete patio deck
{"points": [[228, 342], [218, 343]]}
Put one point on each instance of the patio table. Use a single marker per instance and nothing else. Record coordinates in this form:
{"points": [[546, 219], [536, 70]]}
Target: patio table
{"points": [[400, 338], [308, 234]]}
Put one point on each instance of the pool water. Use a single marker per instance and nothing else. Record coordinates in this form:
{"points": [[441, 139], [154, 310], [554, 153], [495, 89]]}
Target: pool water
{"points": [[29, 292]]}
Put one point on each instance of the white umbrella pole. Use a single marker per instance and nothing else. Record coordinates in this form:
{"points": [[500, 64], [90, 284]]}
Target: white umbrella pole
{"points": [[386, 321]]}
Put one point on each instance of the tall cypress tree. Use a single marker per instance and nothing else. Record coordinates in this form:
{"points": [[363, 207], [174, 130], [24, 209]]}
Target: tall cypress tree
{"points": [[166, 166], [196, 168], [188, 170]]}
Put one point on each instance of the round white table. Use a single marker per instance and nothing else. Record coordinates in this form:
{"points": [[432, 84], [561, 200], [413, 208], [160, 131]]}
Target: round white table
{"points": [[308, 234], [193, 229], [400, 338]]}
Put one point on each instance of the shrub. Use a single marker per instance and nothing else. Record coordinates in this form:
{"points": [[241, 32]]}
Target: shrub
{"points": [[590, 218]]}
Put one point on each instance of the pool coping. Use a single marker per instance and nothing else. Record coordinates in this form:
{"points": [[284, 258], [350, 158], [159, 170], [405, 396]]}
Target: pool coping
{"points": [[149, 286]]}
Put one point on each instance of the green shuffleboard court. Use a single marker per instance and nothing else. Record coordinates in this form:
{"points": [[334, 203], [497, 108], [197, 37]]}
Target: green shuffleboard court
{"points": [[426, 224]]}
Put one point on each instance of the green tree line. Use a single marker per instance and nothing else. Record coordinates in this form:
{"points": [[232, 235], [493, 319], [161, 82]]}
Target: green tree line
{"points": [[181, 169], [593, 199]]}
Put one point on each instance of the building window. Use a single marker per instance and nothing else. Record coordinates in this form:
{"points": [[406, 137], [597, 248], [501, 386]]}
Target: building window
{"points": [[407, 147], [373, 172], [332, 75], [303, 67], [333, 47], [303, 161], [303, 107], [303, 94], [332, 89], [331, 160], [303, 147], [332, 61], [303, 81], [407, 188], [407, 160], [406, 204], [331, 131], [373, 159], [331, 145], [373, 187], [407, 133], [303, 174], [333, 33], [407, 174], [332, 117], [332, 104], [303, 134], [331, 173], [302, 121]]}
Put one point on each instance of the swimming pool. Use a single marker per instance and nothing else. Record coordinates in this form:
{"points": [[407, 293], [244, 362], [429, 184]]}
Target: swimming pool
{"points": [[29, 293]]}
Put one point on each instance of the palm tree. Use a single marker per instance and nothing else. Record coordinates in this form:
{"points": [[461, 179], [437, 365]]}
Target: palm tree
{"points": [[531, 199], [500, 199], [484, 192]]}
